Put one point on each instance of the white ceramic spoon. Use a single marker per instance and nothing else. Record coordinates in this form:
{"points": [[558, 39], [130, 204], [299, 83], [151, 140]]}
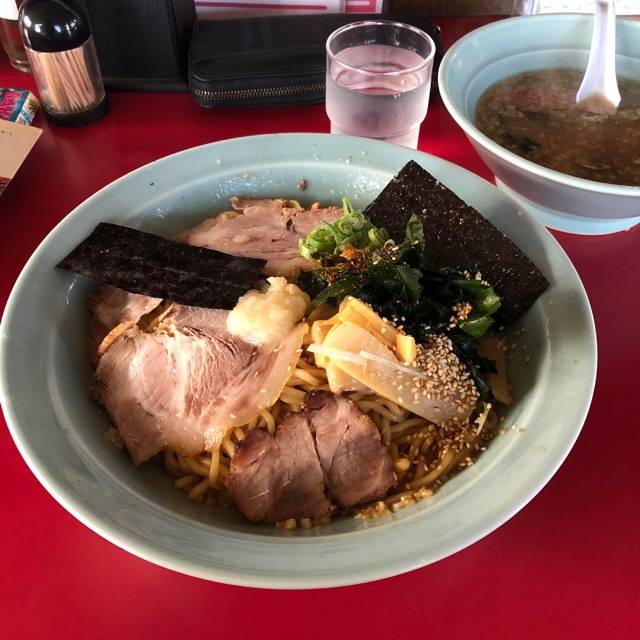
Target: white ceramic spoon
{"points": [[599, 89]]}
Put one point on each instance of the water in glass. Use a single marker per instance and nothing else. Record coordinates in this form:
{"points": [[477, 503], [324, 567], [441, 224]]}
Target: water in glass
{"points": [[369, 95]]}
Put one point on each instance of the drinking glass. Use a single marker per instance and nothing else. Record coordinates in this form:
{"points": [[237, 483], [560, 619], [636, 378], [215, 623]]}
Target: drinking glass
{"points": [[10, 35], [378, 80]]}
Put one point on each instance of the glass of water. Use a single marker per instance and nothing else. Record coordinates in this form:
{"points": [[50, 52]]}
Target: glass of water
{"points": [[378, 80]]}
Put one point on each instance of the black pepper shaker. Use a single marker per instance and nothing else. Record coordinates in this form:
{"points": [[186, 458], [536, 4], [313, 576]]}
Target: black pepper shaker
{"points": [[58, 40]]}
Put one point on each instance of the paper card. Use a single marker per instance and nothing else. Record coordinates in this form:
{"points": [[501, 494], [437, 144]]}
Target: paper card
{"points": [[223, 9], [16, 140]]}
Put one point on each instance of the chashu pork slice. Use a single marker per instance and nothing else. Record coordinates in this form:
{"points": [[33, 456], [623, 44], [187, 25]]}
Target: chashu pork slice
{"points": [[330, 445], [277, 478], [357, 466], [115, 310], [266, 229], [182, 386]]}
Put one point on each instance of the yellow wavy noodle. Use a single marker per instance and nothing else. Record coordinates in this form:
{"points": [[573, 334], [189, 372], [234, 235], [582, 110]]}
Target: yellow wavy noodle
{"points": [[423, 455]]}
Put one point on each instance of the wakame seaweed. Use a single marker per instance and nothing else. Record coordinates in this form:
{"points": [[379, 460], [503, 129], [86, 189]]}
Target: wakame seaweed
{"points": [[455, 234], [395, 281]]}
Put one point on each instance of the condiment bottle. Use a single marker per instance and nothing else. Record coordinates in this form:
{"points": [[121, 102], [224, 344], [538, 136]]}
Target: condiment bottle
{"points": [[58, 40]]}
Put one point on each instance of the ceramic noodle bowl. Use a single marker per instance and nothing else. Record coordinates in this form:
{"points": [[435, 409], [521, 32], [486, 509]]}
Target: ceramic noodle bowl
{"points": [[61, 432]]}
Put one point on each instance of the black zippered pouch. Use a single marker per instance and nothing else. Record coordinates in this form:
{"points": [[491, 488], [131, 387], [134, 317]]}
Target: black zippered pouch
{"points": [[276, 60]]}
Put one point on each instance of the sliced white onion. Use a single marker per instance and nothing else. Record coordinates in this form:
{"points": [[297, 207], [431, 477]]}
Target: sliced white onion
{"points": [[396, 365], [337, 354], [362, 359]]}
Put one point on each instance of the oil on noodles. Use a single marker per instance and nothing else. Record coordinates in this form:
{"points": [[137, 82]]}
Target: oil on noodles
{"points": [[424, 455]]}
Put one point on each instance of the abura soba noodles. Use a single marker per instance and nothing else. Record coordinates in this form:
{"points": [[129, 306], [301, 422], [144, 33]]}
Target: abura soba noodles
{"points": [[302, 363]]}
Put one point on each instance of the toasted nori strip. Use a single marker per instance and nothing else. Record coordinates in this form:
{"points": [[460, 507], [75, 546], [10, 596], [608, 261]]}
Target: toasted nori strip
{"points": [[144, 263], [456, 235]]}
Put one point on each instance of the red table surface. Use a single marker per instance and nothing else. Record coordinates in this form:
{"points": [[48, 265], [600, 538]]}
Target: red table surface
{"points": [[567, 566]]}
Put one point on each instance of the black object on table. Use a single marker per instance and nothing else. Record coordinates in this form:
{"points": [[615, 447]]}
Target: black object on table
{"points": [[275, 60], [142, 44]]}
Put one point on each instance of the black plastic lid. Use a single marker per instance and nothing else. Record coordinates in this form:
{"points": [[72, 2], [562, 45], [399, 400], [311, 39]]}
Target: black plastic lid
{"points": [[53, 25], [81, 118]]}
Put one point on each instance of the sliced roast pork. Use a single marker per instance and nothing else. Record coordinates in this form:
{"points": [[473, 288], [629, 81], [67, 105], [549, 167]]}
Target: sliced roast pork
{"points": [[211, 321], [277, 478], [266, 229], [331, 444], [357, 466], [116, 308], [258, 385], [182, 386]]}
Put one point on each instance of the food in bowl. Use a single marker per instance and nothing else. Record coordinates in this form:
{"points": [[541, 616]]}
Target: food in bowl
{"points": [[358, 378], [535, 115], [506, 47]]}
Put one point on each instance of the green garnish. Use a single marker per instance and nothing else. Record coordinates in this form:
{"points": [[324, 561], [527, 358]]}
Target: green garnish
{"points": [[358, 259], [353, 229], [476, 327], [373, 272], [484, 299]]}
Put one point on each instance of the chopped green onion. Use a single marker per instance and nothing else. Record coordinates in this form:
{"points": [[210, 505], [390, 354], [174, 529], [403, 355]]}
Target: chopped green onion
{"points": [[352, 229]]}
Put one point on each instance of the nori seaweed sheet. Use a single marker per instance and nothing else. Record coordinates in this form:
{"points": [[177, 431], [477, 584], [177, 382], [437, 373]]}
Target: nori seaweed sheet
{"points": [[456, 235], [144, 263]]}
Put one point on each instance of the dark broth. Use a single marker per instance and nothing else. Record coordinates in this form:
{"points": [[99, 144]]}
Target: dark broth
{"points": [[534, 115]]}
